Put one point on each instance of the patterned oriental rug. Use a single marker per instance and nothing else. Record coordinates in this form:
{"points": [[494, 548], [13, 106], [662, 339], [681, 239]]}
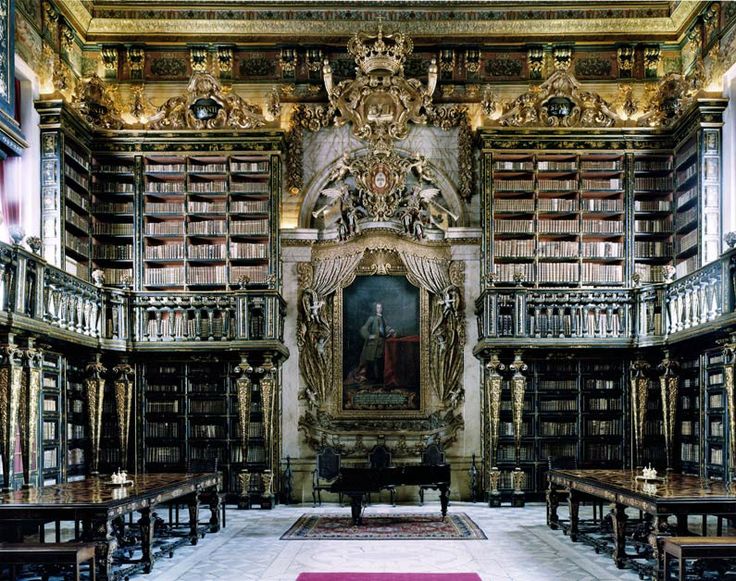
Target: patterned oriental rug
{"points": [[384, 527], [388, 577]]}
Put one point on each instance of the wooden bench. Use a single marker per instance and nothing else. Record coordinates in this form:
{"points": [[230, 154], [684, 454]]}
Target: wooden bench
{"points": [[683, 548], [14, 554]]}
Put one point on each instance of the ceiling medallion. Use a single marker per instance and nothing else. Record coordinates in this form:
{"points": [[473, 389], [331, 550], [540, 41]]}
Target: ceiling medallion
{"points": [[380, 102]]}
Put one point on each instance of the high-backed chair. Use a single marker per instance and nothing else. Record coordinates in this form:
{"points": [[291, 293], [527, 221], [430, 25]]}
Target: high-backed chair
{"points": [[208, 465], [379, 458], [327, 470], [432, 455]]}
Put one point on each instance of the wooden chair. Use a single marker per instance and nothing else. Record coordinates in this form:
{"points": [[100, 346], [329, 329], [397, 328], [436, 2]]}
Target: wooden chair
{"points": [[380, 457], [206, 465], [328, 468], [431, 456]]}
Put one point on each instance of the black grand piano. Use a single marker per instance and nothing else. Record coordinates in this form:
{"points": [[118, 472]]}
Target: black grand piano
{"points": [[357, 482]]}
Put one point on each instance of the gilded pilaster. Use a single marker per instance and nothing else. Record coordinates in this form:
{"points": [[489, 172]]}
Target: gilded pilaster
{"points": [[267, 385], [11, 373], [669, 387], [95, 391], [729, 352], [494, 383], [639, 392], [518, 389], [30, 392], [123, 388]]}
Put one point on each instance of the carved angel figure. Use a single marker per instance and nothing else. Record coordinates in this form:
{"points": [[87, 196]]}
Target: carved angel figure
{"points": [[313, 304], [415, 211], [350, 210]]}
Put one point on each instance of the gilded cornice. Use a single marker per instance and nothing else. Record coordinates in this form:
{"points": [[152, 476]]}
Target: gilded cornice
{"points": [[119, 28], [76, 13]]}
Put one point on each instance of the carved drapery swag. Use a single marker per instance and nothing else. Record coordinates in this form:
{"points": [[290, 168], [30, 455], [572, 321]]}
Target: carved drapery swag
{"points": [[319, 280], [447, 335]]}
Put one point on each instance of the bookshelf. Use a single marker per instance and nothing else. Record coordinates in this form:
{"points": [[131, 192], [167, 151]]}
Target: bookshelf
{"points": [[603, 413], [715, 449], [689, 431], [77, 441], [52, 469], [113, 218], [653, 184], [206, 220]]}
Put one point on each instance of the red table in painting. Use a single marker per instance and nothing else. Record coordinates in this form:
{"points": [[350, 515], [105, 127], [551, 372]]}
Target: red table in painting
{"points": [[401, 362]]}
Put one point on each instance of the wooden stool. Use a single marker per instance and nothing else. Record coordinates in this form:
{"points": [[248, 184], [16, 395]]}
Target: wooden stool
{"points": [[48, 554], [683, 548]]}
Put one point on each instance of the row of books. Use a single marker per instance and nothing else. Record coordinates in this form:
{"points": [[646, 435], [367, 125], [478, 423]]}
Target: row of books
{"points": [[75, 431], [652, 248], [207, 275], [684, 197], [113, 228], [653, 183], [658, 226], [80, 158], [79, 221], [107, 187], [163, 454], [557, 429], [114, 276], [558, 405], [162, 429], [687, 241], [604, 427], [652, 206], [603, 404], [113, 208], [113, 251], [687, 173], [76, 198], [602, 273], [653, 164], [686, 218], [79, 178], [690, 452]]}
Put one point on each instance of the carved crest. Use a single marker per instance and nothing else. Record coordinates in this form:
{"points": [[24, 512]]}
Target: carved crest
{"points": [[671, 97], [97, 104], [558, 102], [205, 105], [380, 102]]}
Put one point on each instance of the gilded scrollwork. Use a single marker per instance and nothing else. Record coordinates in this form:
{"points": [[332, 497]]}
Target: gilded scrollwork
{"points": [[205, 105], [671, 97], [558, 102], [669, 387], [11, 372], [518, 391], [97, 104], [493, 385], [95, 390]]}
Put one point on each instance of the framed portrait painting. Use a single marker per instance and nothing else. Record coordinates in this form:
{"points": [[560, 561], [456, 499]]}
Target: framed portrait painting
{"points": [[382, 357]]}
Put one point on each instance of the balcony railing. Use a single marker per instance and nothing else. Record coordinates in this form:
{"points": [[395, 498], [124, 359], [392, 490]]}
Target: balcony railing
{"points": [[656, 313], [42, 298]]}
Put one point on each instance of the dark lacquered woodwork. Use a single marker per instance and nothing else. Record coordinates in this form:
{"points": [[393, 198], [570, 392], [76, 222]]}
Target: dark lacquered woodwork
{"points": [[96, 504]]}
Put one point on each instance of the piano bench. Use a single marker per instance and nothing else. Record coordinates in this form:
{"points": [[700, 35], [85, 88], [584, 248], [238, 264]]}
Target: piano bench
{"points": [[14, 554], [683, 548]]}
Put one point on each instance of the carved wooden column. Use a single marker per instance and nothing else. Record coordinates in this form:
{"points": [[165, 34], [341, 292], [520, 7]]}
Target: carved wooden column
{"points": [[493, 386], [518, 389], [729, 354], [243, 387], [95, 390], [30, 402], [268, 400], [124, 387], [669, 383], [639, 394], [11, 374]]}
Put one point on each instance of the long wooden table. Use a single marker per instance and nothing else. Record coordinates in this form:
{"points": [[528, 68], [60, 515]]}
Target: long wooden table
{"points": [[677, 496], [97, 505]]}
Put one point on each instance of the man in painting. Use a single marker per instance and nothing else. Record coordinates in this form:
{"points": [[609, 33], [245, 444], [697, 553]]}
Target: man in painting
{"points": [[374, 332]]}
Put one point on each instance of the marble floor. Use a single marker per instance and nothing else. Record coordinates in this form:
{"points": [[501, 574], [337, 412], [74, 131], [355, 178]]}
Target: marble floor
{"points": [[520, 547]]}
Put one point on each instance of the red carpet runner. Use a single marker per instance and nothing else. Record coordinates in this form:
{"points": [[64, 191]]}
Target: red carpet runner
{"points": [[388, 577]]}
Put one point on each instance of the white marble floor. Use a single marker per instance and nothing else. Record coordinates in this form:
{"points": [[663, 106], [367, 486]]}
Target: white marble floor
{"points": [[519, 547]]}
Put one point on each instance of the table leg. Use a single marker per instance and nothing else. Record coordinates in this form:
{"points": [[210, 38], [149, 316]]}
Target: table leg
{"points": [[193, 518], [660, 528], [444, 499], [215, 504], [618, 521], [553, 502], [573, 503], [103, 535], [356, 506], [146, 524]]}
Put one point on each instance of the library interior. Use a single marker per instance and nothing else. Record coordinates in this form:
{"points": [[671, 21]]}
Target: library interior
{"points": [[446, 288]]}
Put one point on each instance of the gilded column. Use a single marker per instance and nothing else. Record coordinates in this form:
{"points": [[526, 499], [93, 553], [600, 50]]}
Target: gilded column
{"points": [[669, 384], [518, 390], [268, 400], [493, 386], [639, 393], [243, 387], [95, 390], [30, 394], [123, 387], [729, 352], [11, 376]]}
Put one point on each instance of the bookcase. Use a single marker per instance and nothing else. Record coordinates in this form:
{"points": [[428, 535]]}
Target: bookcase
{"points": [[65, 189], [51, 440], [574, 410], [689, 431], [77, 440], [715, 417]]}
